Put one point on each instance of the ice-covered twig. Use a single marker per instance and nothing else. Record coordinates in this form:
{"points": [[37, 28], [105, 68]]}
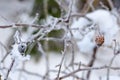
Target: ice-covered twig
{"points": [[60, 66], [70, 11], [35, 19], [17, 37], [62, 59], [110, 64], [116, 51], [24, 25], [46, 58], [18, 52]]}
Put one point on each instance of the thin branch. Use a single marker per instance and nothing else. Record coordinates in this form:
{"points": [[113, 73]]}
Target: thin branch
{"points": [[90, 3], [104, 6], [63, 72], [9, 70], [23, 25], [70, 10], [108, 70], [25, 71], [71, 73], [30, 73], [86, 7], [3, 59], [115, 52], [60, 65], [110, 4], [73, 55], [6, 49], [46, 58], [92, 61], [63, 56], [87, 69]]}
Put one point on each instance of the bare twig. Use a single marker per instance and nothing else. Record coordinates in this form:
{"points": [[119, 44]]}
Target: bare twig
{"points": [[3, 59], [6, 49], [116, 52], [23, 25], [63, 72], [87, 69], [30, 73], [63, 56], [25, 71], [46, 58], [108, 70], [71, 73], [20, 74], [73, 55], [110, 4], [103, 6], [9, 69], [60, 65], [92, 61], [70, 11], [91, 4]]}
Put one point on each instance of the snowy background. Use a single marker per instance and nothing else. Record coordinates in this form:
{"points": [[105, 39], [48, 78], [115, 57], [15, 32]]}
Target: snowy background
{"points": [[80, 31]]}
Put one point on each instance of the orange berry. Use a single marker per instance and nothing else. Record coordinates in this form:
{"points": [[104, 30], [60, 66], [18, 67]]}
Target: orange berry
{"points": [[99, 40]]}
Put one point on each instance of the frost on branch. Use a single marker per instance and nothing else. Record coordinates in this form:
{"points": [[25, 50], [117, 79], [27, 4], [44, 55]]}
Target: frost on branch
{"points": [[19, 48], [99, 21], [93, 33], [17, 53]]}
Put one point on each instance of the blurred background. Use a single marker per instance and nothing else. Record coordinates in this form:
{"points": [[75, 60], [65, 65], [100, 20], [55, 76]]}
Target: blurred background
{"points": [[24, 11]]}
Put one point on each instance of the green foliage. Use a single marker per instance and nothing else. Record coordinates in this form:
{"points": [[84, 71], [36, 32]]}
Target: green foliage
{"points": [[56, 33], [33, 51], [56, 46], [53, 9]]}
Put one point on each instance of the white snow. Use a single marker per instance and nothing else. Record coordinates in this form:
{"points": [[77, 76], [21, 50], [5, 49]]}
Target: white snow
{"points": [[107, 24], [86, 44], [105, 21]]}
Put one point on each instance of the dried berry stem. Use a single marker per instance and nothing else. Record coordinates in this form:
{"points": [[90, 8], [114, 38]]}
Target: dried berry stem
{"points": [[92, 61]]}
